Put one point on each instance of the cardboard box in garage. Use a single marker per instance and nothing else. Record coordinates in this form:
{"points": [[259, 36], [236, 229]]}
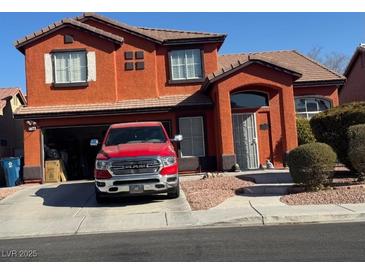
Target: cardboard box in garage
{"points": [[54, 171]]}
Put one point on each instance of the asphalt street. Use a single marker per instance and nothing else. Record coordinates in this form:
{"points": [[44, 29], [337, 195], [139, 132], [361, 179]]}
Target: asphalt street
{"points": [[311, 242]]}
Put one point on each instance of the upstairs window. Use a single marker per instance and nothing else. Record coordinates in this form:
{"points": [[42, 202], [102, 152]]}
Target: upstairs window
{"points": [[70, 67], [307, 107], [186, 64]]}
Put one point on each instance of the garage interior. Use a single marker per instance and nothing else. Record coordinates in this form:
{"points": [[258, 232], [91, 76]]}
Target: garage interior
{"points": [[72, 146]]}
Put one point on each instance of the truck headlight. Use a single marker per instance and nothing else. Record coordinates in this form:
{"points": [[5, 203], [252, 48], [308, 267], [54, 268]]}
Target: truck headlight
{"points": [[168, 161], [101, 164]]}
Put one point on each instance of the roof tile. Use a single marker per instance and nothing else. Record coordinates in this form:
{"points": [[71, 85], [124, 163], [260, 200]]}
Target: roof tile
{"points": [[290, 59], [164, 101], [68, 21], [157, 34]]}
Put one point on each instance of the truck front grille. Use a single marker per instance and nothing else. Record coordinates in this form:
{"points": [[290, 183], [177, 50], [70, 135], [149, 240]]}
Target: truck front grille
{"points": [[128, 167]]}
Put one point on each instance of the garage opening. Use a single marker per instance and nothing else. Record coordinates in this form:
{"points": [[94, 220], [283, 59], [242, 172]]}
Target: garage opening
{"points": [[72, 146]]}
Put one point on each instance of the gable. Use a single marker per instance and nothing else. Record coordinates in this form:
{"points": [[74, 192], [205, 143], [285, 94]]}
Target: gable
{"points": [[20, 44]]}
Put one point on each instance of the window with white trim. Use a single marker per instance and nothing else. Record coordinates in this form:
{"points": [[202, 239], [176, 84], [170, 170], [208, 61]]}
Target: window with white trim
{"points": [[192, 130], [186, 64], [70, 67], [307, 107]]}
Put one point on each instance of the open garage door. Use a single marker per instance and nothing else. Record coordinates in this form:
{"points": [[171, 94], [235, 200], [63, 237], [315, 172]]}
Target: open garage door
{"points": [[72, 146]]}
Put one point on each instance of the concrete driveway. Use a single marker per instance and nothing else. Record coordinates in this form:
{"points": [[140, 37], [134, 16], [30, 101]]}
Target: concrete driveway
{"points": [[71, 208]]}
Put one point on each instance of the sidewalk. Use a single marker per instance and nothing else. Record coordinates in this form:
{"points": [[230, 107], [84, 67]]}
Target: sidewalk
{"points": [[25, 213], [268, 210]]}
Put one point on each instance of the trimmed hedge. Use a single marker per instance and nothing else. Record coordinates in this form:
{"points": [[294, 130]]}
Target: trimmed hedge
{"points": [[304, 132], [312, 165], [356, 152], [331, 127]]}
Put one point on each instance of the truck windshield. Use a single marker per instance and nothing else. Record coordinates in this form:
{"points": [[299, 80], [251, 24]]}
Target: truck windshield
{"points": [[130, 135]]}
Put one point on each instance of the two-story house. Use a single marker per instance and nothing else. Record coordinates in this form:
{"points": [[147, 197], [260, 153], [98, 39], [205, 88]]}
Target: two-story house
{"points": [[86, 73], [11, 131]]}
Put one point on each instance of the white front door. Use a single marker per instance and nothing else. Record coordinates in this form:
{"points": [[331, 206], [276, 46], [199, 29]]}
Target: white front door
{"points": [[245, 140]]}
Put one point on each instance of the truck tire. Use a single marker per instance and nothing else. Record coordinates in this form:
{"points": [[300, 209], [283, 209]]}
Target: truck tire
{"points": [[99, 198], [174, 192]]}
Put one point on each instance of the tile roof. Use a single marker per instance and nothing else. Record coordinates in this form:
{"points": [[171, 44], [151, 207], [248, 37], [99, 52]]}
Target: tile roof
{"points": [[9, 92], [64, 23], [162, 36], [197, 99], [291, 60]]}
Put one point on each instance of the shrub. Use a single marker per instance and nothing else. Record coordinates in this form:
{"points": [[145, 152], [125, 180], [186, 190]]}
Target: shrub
{"points": [[312, 164], [331, 127], [356, 152], [304, 132]]}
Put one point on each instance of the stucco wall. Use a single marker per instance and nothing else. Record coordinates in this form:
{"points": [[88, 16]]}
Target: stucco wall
{"points": [[11, 130], [354, 89]]}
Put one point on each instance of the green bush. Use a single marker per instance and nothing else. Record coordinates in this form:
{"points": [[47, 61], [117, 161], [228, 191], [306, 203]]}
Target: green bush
{"points": [[331, 127], [356, 152], [304, 132], [312, 165]]}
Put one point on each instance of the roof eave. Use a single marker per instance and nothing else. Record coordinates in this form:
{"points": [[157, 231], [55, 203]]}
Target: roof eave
{"points": [[108, 112], [96, 17], [296, 75], [21, 45], [175, 42], [334, 82], [353, 59]]}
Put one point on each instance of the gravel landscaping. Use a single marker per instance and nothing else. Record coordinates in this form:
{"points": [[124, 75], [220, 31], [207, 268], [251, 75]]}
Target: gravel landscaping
{"points": [[208, 193], [338, 195]]}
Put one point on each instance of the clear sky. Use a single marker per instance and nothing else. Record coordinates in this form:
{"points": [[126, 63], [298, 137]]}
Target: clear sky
{"points": [[247, 32]]}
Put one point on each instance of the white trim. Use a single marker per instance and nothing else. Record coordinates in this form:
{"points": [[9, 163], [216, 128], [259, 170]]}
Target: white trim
{"points": [[91, 66], [48, 68], [310, 113], [185, 64], [203, 137]]}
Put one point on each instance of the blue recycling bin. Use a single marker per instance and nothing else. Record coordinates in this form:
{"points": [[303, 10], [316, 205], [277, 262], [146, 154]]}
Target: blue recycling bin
{"points": [[11, 167]]}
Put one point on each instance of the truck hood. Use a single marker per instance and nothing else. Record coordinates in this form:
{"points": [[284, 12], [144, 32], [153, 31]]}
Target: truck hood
{"points": [[139, 150]]}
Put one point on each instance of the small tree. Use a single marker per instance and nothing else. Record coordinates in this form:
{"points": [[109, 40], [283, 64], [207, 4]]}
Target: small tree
{"points": [[356, 152]]}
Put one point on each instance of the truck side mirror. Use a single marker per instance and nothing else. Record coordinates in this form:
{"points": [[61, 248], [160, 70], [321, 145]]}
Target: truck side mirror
{"points": [[94, 142], [177, 138]]}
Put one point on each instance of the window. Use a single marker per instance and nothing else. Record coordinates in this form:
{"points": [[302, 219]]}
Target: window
{"points": [[307, 107], [186, 64], [70, 67], [192, 130], [132, 135], [249, 99]]}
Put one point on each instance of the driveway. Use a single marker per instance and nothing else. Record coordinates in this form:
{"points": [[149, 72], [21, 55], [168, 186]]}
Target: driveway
{"points": [[71, 208]]}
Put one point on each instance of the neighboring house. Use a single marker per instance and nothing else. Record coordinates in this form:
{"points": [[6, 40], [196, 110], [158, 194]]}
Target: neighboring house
{"points": [[85, 73], [11, 130], [354, 88]]}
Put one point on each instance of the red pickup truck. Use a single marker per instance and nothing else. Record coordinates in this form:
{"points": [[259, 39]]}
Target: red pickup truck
{"points": [[136, 159]]}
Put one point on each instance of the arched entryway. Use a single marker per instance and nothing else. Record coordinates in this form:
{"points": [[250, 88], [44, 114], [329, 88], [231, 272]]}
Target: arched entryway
{"points": [[245, 105]]}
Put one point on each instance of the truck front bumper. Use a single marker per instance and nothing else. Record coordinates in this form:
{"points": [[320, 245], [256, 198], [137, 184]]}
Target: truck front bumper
{"points": [[136, 185]]}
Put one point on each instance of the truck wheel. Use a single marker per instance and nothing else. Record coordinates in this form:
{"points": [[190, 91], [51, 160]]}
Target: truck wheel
{"points": [[174, 193]]}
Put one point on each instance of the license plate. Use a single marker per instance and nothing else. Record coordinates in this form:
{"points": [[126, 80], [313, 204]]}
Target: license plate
{"points": [[136, 188]]}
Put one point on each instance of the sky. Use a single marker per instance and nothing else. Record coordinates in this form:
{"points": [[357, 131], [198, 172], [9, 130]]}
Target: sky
{"points": [[247, 32]]}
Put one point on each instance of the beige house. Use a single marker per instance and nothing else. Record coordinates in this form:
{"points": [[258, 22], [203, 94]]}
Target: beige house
{"points": [[11, 130]]}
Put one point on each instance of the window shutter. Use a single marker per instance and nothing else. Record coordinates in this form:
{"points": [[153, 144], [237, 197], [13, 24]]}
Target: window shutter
{"points": [[91, 66], [48, 68]]}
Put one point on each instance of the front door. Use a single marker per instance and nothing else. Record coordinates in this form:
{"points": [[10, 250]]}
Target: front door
{"points": [[245, 140]]}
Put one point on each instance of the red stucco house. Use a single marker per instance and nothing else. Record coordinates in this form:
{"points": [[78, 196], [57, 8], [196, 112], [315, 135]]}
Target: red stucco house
{"points": [[354, 88], [86, 73]]}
